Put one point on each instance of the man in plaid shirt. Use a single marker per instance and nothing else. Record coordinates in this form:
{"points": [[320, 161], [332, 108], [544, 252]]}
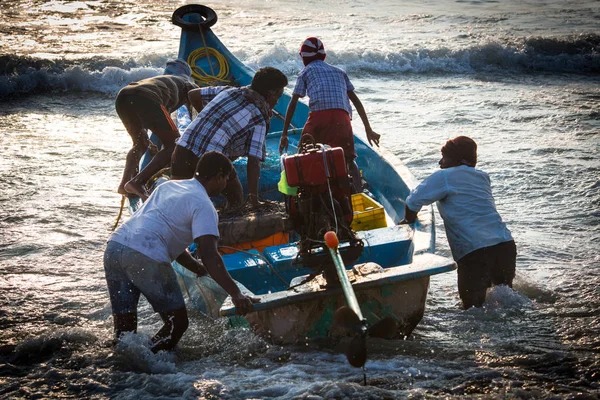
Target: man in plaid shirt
{"points": [[330, 92], [235, 122]]}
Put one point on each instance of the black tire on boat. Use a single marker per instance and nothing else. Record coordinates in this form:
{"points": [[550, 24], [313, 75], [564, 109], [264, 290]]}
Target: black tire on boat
{"points": [[208, 14]]}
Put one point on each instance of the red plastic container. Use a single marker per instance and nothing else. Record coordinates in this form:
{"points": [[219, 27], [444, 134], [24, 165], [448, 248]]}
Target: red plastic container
{"points": [[308, 169]]}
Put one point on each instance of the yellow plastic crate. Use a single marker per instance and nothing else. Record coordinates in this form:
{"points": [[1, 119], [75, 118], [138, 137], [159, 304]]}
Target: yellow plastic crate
{"points": [[368, 214]]}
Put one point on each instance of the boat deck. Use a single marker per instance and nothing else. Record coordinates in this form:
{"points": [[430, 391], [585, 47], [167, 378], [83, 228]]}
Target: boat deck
{"points": [[424, 265], [262, 272]]}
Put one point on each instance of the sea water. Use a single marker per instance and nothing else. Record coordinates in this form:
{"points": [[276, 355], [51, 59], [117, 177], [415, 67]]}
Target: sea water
{"points": [[520, 77]]}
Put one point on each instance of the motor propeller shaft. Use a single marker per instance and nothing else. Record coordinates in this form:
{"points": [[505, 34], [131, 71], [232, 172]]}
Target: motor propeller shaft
{"points": [[350, 317]]}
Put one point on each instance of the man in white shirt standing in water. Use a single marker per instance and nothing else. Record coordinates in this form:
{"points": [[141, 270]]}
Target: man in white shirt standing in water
{"points": [[138, 255], [479, 240]]}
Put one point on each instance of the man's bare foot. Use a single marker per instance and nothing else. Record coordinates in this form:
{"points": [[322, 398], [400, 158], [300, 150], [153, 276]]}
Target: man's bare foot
{"points": [[132, 187]]}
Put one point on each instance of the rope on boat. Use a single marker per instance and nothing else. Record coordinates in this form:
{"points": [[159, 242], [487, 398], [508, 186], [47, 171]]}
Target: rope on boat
{"points": [[120, 213], [201, 76], [162, 172], [205, 79]]}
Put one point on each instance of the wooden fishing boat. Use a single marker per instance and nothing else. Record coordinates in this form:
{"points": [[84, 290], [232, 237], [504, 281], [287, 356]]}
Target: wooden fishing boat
{"points": [[281, 257]]}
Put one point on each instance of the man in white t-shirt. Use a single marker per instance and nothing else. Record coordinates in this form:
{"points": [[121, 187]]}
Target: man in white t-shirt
{"points": [[138, 255], [479, 240]]}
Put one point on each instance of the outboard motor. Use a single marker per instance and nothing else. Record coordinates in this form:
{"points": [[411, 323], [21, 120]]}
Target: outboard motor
{"points": [[323, 203]]}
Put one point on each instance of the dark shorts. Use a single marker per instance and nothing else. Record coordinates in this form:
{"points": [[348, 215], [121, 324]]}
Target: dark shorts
{"points": [[129, 273], [332, 127], [138, 113], [483, 268]]}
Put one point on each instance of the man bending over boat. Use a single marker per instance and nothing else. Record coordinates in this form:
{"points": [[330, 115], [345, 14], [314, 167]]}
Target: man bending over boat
{"points": [[479, 240], [147, 104], [330, 92], [234, 121], [139, 253]]}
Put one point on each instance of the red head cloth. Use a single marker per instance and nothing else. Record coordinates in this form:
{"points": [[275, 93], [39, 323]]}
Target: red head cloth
{"points": [[461, 149], [312, 49]]}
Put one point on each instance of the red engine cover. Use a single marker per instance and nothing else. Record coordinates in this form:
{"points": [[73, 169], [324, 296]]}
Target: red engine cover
{"points": [[308, 169]]}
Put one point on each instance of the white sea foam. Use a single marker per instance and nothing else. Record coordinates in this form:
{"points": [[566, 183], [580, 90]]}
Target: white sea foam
{"points": [[133, 353], [565, 55], [504, 297]]}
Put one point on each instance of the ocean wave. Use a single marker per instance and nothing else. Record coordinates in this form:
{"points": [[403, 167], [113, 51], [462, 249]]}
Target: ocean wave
{"points": [[27, 75], [573, 55]]}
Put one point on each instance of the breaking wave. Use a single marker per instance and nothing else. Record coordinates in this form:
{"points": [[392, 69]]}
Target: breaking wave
{"points": [[26, 75], [573, 55]]}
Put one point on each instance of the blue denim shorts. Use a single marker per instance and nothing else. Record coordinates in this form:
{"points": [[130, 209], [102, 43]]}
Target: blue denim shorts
{"points": [[129, 273]]}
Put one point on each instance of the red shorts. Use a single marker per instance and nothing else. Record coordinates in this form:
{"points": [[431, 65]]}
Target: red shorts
{"points": [[332, 127]]}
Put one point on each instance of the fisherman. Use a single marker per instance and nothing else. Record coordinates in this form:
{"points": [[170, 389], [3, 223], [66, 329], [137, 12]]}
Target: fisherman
{"points": [[139, 253], [234, 121], [479, 240], [147, 104], [330, 92]]}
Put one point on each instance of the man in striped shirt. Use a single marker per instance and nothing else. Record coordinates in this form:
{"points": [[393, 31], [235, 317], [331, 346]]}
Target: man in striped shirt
{"points": [[235, 122], [330, 92]]}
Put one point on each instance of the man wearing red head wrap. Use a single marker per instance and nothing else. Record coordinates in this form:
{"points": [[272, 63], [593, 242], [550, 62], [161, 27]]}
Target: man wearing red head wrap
{"points": [[480, 242], [461, 150], [311, 50], [330, 93]]}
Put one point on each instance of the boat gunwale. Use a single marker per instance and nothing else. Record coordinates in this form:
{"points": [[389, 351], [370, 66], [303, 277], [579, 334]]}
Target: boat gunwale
{"points": [[420, 268]]}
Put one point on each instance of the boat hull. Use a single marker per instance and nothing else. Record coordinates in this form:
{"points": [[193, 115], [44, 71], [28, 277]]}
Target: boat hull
{"points": [[403, 253], [294, 323], [306, 312]]}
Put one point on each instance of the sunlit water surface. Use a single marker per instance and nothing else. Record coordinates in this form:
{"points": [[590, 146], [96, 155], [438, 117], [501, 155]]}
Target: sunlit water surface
{"points": [[520, 78]]}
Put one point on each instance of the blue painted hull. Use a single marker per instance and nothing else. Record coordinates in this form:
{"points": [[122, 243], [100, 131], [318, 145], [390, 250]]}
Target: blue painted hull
{"points": [[395, 248]]}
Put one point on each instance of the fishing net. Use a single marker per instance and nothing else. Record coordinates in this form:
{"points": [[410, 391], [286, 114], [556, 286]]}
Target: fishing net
{"points": [[247, 223], [203, 292]]}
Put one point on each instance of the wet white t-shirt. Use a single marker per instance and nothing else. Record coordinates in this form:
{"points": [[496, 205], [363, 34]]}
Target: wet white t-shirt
{"points": [[175, 214], [465, 202]]}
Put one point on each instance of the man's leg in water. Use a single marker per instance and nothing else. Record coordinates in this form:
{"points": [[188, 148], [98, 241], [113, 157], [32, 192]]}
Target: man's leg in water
{"points": [[175, 324], [473, 278], [124, 295], [130, 273], [126, 107], [125, 323], [157, 281], [503, 263], [161, 124]]}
